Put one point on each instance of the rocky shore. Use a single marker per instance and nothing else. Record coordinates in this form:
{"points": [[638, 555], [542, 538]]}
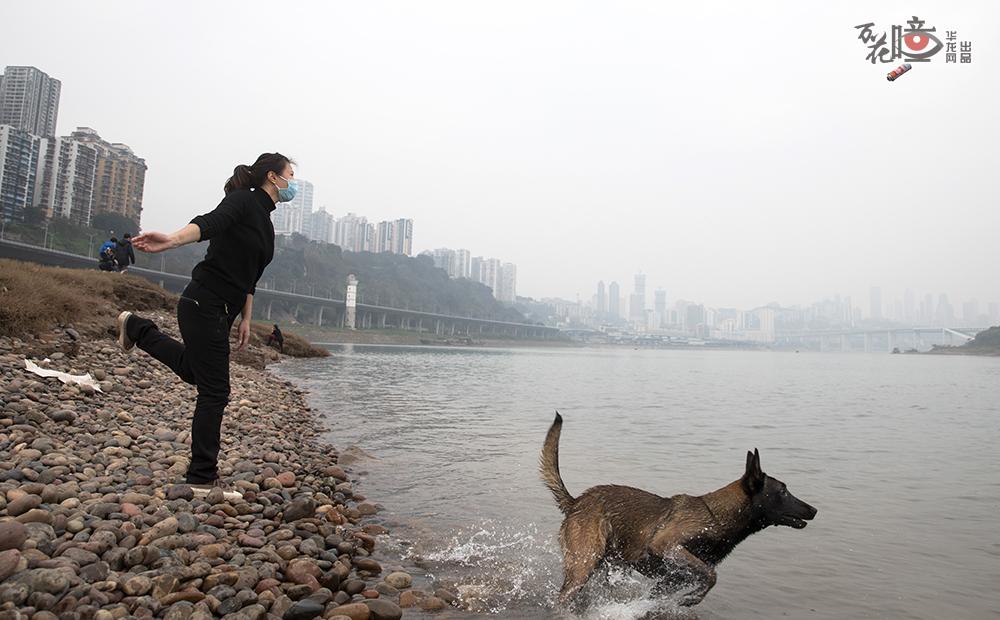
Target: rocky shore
{"points": [[95, 522]]}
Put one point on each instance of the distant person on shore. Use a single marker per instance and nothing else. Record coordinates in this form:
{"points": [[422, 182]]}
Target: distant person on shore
{"points": [[241, 244], [106, 261], [124, 254], [276, 337], [110, 244], [106, 257]]}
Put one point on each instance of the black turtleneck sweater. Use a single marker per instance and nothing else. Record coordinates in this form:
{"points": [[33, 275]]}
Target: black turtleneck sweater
{"points": [[241, 244]]}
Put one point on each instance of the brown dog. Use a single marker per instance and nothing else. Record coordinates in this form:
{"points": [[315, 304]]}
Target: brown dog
{"points": [[678, 540]]}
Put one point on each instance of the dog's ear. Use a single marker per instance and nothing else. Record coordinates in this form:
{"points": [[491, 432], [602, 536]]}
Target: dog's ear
{"points": [[753, 477]]}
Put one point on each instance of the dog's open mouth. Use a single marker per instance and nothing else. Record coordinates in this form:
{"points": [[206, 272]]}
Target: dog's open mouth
{"points": [[795, 522]]}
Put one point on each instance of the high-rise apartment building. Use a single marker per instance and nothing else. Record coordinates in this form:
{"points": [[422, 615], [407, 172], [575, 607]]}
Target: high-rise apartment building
{"points": [[501, 278], [660, 306], [443, 259], [637, 302], [354, 234], [394, 236], [476, 269], [614, 301], [463, 264], [320, 226], [383, 237], [402, 237], [119, 178], [508, 283], [19, 153], [601, 301], [491, 274], [944, 314], [65, 184], [29, 100]]}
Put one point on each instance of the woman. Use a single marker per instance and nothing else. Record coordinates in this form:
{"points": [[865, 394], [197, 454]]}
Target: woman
{"points": [[241, 244]]}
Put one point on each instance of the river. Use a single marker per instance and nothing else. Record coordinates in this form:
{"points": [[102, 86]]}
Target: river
{"points": [[898, 452]]}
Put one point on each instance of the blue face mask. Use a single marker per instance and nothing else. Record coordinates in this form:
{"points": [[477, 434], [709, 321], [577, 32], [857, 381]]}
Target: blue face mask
{"points": [[286, 194]]}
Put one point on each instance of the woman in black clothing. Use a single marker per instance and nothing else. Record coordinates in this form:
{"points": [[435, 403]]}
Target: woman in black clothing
{"points": [[241, 244]]}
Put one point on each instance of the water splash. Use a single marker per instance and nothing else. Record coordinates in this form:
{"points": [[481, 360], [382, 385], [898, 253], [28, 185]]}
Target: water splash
{"points": [[498, 568]]}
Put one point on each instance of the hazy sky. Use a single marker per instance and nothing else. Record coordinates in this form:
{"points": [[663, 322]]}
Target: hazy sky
{"points": [[736, 152]]}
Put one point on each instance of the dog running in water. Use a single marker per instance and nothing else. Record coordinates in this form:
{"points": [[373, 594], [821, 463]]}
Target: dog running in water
{"points": [[677, 540]]}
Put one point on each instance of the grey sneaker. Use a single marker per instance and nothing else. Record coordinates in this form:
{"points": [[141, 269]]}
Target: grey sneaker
{"points": [[228, 493], [124, 341]]}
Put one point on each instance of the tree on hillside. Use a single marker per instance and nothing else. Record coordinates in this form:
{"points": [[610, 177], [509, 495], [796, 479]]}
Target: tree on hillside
{"points": [[114, 224]]}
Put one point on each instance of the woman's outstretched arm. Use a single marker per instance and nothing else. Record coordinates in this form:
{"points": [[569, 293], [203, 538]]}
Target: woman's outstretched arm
{"points": [[153, 242]]}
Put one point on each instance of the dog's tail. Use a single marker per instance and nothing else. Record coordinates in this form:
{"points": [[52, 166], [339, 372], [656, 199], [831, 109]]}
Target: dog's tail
{"points": [[549, 467]]}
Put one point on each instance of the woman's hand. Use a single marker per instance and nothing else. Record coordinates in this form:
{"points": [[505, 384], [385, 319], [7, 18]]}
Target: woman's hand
{"points": [[244, 334], [152, 242]]}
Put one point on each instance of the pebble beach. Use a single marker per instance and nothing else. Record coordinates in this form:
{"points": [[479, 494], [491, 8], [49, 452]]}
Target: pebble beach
{"points": [[96, 523]]}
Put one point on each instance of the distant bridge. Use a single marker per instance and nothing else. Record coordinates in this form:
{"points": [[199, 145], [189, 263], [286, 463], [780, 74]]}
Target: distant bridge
{"points": [[311, 309], [878, 338]]}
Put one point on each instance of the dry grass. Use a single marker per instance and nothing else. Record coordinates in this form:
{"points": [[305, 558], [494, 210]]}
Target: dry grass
{"points": [[35, 299]]}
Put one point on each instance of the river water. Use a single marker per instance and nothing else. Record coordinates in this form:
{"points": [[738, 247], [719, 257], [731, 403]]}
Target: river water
{"points": [[899, 453]]}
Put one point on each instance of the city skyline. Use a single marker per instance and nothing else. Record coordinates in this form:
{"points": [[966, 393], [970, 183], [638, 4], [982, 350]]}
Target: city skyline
{"points": [[559, 148], [500, 276], [350, 231], [72, 177], [911, 307]]}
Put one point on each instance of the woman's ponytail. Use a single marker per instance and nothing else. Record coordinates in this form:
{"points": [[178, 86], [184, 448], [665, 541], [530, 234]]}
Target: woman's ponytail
{"points": [[242, 179], [246, 177]]}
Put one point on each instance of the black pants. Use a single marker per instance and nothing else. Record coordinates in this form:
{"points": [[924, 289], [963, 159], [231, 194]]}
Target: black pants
{"points": [[201, 360]]}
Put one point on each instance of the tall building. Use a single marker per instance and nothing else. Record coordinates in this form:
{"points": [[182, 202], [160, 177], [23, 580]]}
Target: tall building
{"points": [[395, 236], [637, 302], [119, 178], [944, 315], [660, 305], [354, 234], [927, 309], [403, 237], [614, 301], [476, 269], [19, 153], [694, 316], [444, 259], [491, 274], [993, 312], [29, 100], [320, 226], [463, 264], [508, 283], [294, 217], [64, 186], [875, 300], [601, 299], [383, 237]]}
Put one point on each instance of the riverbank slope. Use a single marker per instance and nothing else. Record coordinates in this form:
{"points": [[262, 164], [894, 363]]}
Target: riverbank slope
{"points": [[95, 521]]}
